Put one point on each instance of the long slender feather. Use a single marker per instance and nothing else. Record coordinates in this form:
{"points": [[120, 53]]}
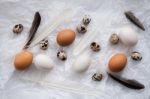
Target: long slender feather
{"points": [[33, 29], [133, 84], [129, 15]]}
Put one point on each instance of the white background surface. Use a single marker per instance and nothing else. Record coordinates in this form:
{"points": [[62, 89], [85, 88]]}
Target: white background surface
{"points": [[63, 83]]}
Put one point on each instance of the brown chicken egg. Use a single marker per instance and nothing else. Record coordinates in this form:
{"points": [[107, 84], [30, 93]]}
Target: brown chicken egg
{"points": [[23, 60], [117, 62], [66, 37]]}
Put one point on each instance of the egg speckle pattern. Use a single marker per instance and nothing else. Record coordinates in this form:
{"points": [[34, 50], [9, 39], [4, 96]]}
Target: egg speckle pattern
{"points": [[114, 39]]}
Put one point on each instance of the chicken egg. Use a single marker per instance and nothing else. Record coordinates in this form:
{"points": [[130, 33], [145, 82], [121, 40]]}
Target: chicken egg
{"points": [[82, 63], [43, 62], [66, 37], [128, 36], [23, 60], [117, 62]]}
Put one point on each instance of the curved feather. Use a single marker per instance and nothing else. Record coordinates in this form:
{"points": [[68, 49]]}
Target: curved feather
{"points": [[134, 20], [133, 84], [33, 29]]}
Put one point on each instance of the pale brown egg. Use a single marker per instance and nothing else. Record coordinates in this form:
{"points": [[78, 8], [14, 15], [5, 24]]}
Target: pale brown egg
{"points": [[117, 62], [66, 37], [23, 60]]}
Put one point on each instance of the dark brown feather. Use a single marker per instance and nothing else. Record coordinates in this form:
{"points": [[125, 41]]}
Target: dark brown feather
{"points": [[33, 29], [133, 84], [134, 20]]}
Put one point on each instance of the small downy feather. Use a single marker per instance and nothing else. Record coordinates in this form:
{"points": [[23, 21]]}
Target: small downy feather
{"points": [[129, 15], [133, 84], [33, 29]]}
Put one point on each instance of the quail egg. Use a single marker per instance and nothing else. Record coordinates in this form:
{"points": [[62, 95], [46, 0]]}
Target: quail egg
{"points": [[44, 44], [136, 56], [97, 77], [62, 55], [81, 28], [18, 28], [95, 46], [86, 19], [114, 39]]}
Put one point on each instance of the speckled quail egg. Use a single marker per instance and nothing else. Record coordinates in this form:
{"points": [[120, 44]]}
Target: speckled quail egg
{"points": [[97, 77], [62, 55], [44, 44], [81, 28], [18, 28], [95, 46], [114, 39], [86, 19], [136, 56]]}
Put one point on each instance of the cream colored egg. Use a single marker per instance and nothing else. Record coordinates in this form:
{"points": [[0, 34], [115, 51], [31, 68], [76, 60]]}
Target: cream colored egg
{"points": [[128, 36], [43, 62], [82, 63]]}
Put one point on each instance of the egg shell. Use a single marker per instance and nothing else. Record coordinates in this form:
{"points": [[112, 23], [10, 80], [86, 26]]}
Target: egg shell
{"points": [[23, 60], [43, 62], [128, 36], [82, 63], [117, 62], [66, 37]]}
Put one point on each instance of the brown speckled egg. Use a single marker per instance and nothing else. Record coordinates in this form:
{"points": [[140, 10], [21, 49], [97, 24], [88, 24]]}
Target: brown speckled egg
{"points": [[117, 62], [23, 60], [66, 37]]}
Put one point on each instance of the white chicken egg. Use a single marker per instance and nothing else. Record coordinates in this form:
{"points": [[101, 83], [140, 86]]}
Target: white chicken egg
{"points": [[128, 36], [43, 62], [82, 63]]}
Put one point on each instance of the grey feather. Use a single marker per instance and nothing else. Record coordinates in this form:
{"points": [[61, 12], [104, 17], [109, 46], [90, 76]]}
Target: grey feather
{"points": [[130, 83], [129, 15], [33, 29]]}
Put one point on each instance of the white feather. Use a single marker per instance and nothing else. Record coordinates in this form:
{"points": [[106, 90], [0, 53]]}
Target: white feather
{"points": [[55, 24]]}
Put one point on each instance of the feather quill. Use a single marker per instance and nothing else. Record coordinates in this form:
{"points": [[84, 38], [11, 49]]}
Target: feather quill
{"points": [[133, 84], [129, 15], [33, 29]]}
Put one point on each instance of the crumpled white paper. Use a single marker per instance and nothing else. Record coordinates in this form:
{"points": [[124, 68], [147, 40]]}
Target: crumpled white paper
{"points": [[61, 81]]}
